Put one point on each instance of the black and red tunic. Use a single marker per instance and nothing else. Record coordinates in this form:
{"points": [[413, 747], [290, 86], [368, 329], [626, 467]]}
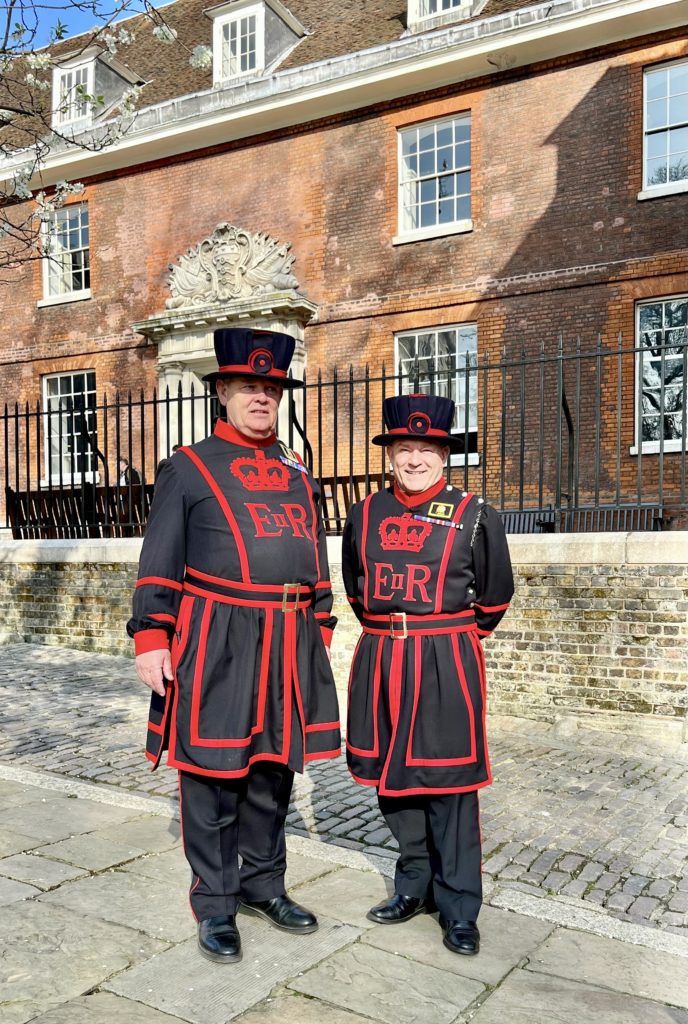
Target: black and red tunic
{"points": [[428, 577], [234, 573]]}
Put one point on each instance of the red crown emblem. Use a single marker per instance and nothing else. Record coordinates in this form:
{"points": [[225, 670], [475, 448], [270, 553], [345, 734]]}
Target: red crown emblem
{"points": [[261, 474], [402, 533]]}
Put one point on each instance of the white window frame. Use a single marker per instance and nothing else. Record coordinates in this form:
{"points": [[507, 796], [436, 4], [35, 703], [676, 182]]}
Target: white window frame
{"points": [[84, 69], [51, 274], [459, 375], [407, 234], [418, 11], [651, 447], [69, 478], [236, 15], [671, 187]]}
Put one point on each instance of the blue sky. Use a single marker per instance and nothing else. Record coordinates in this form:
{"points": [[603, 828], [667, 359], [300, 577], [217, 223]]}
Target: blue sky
{"points": [[76, 21]]}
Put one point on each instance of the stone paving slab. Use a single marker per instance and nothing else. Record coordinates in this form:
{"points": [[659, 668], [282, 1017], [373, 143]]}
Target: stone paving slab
{"points": [[346, 894], [389, 988], [17, 794], [104, 1008], [302, 869], [170, 866], [294, 1008], [39, 871], [200, 992], [603, 962], [527, 998], [505, 940], [91, 852], [151, 905], [12, 891], [150, 834], [61, 818], [13, 842], [49, 955]]}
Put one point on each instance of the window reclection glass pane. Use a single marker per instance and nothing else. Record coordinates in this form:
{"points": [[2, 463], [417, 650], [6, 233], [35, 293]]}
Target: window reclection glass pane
{"points": [[434, 170], [663, 338], [435, 361]]}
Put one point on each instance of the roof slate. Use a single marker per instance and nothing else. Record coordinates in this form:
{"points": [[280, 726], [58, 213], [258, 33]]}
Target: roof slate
{"points": [[335, 28]]}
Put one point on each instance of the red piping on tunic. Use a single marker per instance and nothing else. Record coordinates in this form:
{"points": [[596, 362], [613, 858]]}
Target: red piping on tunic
{"points": [[477, 648], [224, 505], [262, 587], [492, 607], [157, 581], [309, 491], [244, 603], [441, 762], [264, 666], [375, 752], [394, 704], [447, 551], [163, 617], [364, 544]]}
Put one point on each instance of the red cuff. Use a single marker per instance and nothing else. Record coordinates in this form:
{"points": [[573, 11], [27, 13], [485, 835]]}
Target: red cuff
{"points": [[151, 640], [326, 634]]}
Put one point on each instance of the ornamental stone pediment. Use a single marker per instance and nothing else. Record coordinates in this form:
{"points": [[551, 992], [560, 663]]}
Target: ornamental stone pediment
{"points": [[231, 265], [231, 278]]}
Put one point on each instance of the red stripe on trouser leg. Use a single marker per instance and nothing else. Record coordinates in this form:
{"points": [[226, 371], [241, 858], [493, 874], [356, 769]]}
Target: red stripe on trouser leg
{"points": [[209, 811], [227, 818]]}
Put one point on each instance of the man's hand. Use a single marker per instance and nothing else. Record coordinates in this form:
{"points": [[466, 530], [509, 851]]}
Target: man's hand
{"points": [[153, 668]]}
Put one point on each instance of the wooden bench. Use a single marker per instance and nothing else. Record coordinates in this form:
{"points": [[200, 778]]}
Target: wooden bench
{"points": [[339, 493], [528, 520], [72, 512], [624, 518]]}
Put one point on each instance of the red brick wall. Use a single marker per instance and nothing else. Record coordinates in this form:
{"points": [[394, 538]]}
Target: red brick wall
{"points": [[560, 242]]}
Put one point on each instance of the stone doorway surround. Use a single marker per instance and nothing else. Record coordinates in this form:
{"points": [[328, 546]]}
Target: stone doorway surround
{"points": [[231, 278]]}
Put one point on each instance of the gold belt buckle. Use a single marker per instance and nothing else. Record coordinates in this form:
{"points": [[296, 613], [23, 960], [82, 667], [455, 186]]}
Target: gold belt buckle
{"points": [[287, 605], [392, 629]]}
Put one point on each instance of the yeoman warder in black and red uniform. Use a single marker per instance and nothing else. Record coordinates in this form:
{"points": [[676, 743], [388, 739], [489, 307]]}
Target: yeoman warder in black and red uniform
{"points": [[232, 622], [427, 571]]}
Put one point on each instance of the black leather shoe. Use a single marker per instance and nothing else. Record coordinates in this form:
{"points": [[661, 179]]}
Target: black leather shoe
{"points": [[397, 909], [461, 936], [219, 940], [283, 913]]}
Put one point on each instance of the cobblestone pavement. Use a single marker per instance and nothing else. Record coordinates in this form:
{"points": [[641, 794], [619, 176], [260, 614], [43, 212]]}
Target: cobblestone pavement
{"points": [[597, 821]]}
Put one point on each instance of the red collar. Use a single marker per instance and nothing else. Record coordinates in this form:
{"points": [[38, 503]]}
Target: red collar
{"points": [[414, 500], [227, 432]]}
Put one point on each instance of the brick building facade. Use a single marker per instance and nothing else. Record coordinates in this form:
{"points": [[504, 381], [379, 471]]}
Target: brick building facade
{"points": [[554, 221]]}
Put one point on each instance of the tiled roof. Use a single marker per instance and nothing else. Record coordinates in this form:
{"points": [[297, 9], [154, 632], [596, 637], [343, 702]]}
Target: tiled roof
{"points": [[334, 29]]}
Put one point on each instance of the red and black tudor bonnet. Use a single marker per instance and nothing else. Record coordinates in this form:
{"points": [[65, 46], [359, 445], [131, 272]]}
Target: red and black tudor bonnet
{"points": [[419, 417], [246, 352]]}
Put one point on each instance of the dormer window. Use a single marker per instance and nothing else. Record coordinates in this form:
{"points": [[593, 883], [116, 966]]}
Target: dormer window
{"points": [[425, 14], [71, 87], [250, 37], [80, 78], [241, 45]]}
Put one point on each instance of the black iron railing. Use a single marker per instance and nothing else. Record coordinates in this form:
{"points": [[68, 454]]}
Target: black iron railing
{"points": [[571, 440]]}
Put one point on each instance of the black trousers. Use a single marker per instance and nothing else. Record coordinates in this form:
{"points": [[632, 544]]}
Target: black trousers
{"points": [[223, 820], [439, 850]]}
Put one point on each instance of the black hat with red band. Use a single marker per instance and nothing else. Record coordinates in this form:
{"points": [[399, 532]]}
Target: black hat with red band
{"points": [[247, 352], [419, 418]]}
